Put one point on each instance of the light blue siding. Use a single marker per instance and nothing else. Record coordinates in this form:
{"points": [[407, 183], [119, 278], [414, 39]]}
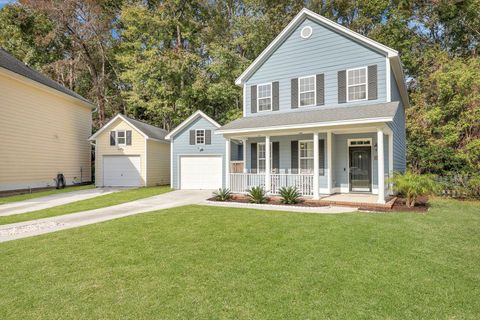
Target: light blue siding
{"points": [[181, 146], [399, 140], [324, 52]]}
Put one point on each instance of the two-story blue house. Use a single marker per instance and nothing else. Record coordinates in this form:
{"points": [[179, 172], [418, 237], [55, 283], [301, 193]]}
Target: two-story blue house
{"points": [[323, 110]]}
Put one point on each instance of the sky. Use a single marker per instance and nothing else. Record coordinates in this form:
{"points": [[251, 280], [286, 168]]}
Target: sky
{"points": [[4, 2]]}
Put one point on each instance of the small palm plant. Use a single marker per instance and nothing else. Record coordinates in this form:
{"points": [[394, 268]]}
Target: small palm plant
{"points": [[222, 194], [257, 195], [289, 195], [411, 186]]}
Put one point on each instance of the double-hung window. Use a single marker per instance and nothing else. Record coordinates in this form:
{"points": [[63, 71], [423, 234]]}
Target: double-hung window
{"points": [[306, 94], [121, 138], [262, 156], [305, 156], [357, 84], [264, 97], [200, 136]]}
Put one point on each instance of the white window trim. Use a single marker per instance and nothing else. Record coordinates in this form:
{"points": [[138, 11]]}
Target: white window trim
{"points": [[196, 135], [124, 137], [360, 145], [299, 157], [258, 158], [271, 96], [314, 91], [354, 85]]}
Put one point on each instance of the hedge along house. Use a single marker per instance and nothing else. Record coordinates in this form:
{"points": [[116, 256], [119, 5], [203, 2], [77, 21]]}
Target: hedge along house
{"points": [[198, 155], [131, 153]]}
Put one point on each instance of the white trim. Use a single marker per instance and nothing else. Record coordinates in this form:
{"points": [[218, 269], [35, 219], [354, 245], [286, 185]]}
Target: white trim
{"points": [[316, 164], [109, 123], [244, 99], [306, 28], [244, 156], [372, 157], [381, 166], [388, 84], [196, 137], [308, 125], [390, 160], [271, 96], [265, 159], [190, 119], [322, 20], [124, 138], [268, 164], [228, 154], [171, 164], [313, 158], [314, 91], [145, 161], [360, 145], [359, 84], [329, 162]]}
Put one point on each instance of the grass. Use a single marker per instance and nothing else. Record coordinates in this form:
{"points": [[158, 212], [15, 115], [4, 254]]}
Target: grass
{"points": [[28, 196], [88, 204], [201, 262]]}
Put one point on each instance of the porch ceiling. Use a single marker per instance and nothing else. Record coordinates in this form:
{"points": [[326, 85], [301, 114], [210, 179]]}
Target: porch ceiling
{"points": [[318, 117]]}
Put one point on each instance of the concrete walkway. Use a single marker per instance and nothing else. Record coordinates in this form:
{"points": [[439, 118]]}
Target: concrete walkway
{"points": [[54, 200], [36, 227]]}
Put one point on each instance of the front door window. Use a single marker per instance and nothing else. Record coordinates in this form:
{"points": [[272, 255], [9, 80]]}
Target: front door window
{"points": [[360, 169]]}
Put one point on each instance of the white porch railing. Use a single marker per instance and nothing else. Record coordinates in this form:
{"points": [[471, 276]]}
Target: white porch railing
{"points": [[241, 182]]}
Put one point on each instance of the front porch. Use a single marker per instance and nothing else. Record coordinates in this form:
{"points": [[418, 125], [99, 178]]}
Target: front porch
{"points": [[354, 161]]}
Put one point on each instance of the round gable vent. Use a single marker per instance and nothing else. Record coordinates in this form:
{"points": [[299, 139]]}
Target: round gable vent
{"points": [[306, 32]]}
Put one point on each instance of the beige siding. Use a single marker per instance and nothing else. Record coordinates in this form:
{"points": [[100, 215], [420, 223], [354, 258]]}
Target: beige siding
{"points": [[43, 134], [103, 148], [158, 163]]}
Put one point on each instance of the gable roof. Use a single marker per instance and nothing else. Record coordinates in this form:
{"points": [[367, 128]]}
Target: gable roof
{"points": [[189, 120], [370, 113], [147, 130], [9, 62], [390, 53]]}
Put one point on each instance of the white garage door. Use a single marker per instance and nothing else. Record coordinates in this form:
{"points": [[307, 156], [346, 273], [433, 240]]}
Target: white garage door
{"points": [[201, 172], [122, 171]]}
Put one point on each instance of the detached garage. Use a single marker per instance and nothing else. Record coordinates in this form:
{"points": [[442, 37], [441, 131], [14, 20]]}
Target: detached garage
{"points": [[197, 154], [131, 153]]}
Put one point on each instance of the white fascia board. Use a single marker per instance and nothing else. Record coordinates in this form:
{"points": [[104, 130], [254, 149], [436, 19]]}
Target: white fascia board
{"points": [[322, 20], [109, 123], [308, 125], [397, 68], [182, 125]]}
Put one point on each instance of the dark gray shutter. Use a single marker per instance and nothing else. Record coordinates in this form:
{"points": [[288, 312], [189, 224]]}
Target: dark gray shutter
{"points": [[275, 96], [342, 86], [129, 138], [253, 157], [321, 155], [208, 136], [112, 138], [320, 89], [276, 155], [294, 156], [372, 82], [294, 93], [253, 99], [192, 137]]}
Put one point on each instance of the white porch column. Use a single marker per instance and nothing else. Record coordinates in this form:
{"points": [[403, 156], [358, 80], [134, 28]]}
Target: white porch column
{"points": [[390, 160], [316, 171], [244, 141], [227, 162], [268, 168], [380, 170], [329, 163]]}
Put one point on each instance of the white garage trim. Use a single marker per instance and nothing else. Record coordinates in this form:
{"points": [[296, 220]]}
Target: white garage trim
{"points": [[179, 166], [135, 178]]}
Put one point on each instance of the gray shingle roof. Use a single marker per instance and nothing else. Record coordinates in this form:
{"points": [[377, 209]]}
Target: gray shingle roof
{"points": [[149, 130], [11, 63], [317, 115]]}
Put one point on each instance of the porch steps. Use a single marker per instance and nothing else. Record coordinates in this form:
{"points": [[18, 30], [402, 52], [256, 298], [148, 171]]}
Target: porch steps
{"points": [[356, 204]]}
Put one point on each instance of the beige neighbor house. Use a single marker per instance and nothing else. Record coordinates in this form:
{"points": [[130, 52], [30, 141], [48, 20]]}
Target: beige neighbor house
{"points": [[44, 128], [131, 153]]}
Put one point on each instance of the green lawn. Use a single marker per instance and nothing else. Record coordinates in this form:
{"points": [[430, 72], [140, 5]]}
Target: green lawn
{"points": [[88, 204], [33, 195], [202, 262]]}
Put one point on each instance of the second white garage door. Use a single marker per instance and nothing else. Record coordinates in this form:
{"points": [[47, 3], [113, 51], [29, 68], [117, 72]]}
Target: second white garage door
{"points": [[200, 172], [122, 171]]}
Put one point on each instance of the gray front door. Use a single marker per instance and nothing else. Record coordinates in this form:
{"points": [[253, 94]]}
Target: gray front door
{"points": [[360, 169]]}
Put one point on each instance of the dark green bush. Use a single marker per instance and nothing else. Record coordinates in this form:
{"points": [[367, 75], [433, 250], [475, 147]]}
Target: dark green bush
{"points": [[411, 186], [222, 194], [257, 195], [289, 195]]}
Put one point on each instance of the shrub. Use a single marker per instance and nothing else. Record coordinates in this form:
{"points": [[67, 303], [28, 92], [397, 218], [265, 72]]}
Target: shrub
{"points": [[290, 195], [222, 194], [257, 195], [411, 186]]}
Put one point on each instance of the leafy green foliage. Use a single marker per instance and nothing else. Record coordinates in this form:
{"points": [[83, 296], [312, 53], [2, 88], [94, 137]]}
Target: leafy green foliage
{"points": [[411, 186], [289, 195], [257, 194], [222, 194]]}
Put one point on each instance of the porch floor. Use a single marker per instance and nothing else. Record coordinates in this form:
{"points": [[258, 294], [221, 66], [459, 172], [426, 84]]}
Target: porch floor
{"points": [[356, 199]]}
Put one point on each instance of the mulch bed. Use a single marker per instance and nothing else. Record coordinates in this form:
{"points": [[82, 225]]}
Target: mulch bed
{"points": [[399, 205]]}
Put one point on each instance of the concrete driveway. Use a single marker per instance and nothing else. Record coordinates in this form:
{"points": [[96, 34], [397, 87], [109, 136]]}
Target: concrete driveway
{"points": [[164, 201], [35, 204]]}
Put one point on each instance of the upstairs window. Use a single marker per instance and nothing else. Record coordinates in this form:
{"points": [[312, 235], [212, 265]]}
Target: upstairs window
{"points": [[121, 138], [357, 84], [264, 94], [305, 156], [306, 91], [200, 136]]}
